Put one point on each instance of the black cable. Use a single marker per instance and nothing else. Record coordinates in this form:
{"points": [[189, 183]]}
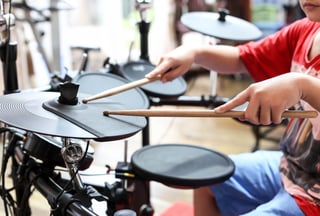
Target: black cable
{"points": [[23, 207], [6, 153]]}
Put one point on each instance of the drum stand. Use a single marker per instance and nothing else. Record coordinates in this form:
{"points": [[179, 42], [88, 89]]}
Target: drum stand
{"points": [[8, 55], [145, 66], [133, 191], [64, 196], [144, 27], [72, 153]]}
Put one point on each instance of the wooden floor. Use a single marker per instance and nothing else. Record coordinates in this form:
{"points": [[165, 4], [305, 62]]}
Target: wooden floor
{"points": [[221, 134]]}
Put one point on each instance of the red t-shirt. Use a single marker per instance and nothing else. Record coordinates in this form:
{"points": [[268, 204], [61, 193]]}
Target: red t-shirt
{"points": [[275, 54], [287, 51]]}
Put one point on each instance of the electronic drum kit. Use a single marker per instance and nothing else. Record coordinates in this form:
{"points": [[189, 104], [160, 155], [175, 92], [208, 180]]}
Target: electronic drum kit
{"points": [[71, 113]]}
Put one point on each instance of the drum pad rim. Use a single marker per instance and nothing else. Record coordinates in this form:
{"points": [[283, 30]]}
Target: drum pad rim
{"points": [[176, 181]]}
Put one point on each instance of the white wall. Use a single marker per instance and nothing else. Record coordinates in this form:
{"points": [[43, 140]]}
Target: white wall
{"points": [[100, 23]]}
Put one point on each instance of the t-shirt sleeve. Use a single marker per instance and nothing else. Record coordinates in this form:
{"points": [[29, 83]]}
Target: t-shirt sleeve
{"points": [[270, 56]]}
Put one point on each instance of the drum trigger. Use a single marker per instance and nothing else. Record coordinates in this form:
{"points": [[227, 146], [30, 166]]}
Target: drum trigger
{"points": [[124, 171]]}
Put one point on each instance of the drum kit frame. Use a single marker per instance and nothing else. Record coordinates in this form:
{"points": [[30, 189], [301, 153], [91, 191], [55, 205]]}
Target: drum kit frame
{"points": [[36, 147]]}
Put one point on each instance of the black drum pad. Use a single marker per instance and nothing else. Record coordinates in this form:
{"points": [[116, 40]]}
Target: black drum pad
{"points": [[24, 110], [90, 117], [182, 166], [137, 70], [94, 82]]}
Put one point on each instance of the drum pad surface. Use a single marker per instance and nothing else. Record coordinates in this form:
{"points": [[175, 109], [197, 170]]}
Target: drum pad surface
{"points": [[182, 165], [90, 117]]}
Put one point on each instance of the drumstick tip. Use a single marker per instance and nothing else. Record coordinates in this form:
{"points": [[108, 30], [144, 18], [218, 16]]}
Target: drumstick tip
{"points": [[106, 112], [85, 101]]}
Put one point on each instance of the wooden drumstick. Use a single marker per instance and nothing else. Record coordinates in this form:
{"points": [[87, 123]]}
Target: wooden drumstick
{"points": [[203, 113], [120, 89]]}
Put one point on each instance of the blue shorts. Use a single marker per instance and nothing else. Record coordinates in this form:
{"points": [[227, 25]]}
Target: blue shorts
{"points": [[255, 188]]}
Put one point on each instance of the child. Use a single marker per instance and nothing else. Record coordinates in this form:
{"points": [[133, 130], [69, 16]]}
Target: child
{"points": [[286, 66]]}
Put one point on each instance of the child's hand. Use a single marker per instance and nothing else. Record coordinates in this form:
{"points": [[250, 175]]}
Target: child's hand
{"points": [[267, 100]]}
